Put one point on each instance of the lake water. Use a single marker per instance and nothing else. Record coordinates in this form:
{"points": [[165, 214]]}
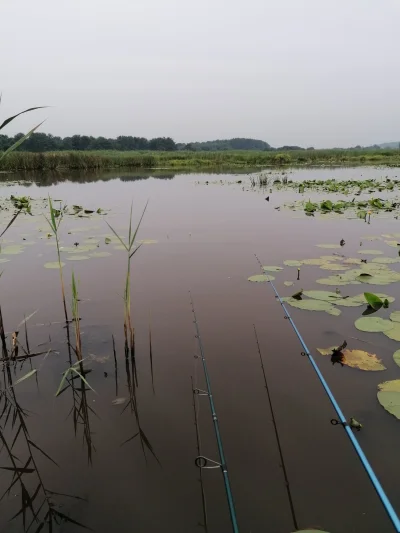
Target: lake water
{"points": [[207, 229]]}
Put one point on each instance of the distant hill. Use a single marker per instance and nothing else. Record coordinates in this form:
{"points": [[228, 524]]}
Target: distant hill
{"points": [[226, 144], [390, 146]]}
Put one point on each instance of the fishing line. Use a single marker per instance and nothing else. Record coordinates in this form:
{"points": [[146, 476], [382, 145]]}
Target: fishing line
{"points": [[342, 420], [204, 462], [296, 527]]}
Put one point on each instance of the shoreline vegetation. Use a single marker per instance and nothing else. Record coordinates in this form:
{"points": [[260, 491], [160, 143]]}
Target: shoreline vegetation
{"points": [[109, 159]]}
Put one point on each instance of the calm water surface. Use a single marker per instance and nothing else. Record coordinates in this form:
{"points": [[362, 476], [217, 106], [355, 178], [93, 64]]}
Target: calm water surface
{"points": [[206, 239]]}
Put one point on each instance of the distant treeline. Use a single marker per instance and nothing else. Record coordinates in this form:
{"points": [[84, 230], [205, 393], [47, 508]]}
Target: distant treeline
{"points": [[45, 142]]}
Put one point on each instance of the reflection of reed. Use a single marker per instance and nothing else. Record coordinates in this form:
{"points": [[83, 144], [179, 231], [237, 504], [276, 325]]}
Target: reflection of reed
{"points": [[38, 502]]}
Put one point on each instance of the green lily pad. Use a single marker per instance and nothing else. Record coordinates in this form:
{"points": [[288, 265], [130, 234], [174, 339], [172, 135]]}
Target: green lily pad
{"points": [[389, 396], [119, 247], [53, 264], [356, 359], [373, 324], [313, 305], [259, 278], [77, 257], [334, 266], [353, 261], [100, 254], [380, 278], [386, 260], [328, 246], [393, 244], [288, 283], [272, 268], [292, 263], [326, 296], [147, 241], [4, 260], [336, 280], [317, 261], [370, 252], [14, 249], [396, 357], [394, 332], [395, 316]]}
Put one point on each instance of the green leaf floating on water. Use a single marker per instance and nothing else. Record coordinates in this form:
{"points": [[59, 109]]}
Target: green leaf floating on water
{"points": [[393, 244], [396, 357], [334, 266], [389, 396], [288, 283], [53, 264], [356, 359], [328, 245], [292, 263], [77, 258], [327, 296], [4, 260], [259, 278], [395, 316], [373, 324], [13, 249], [319, 261], [373, 300], [313, 305], [370, 252], [337, 281], [100, 254], [148, 241], [394, 332], [386, 260], [272, 268]]}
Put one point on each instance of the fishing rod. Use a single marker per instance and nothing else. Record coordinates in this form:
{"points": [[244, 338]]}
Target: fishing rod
{"points": [[201, 461], [342, 420], [278, 440]]}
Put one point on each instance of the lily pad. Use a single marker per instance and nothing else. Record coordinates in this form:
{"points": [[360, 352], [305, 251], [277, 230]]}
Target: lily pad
{"points": [[272, 268], [259, 278], [312, 305], [336, 280], [317, 261], [389, 396], [292, 263], [4, 260], [100, 254], [370, 252], [328, 245], [54, 264], [393, 244], [13, 249], [373, 324], [334, 266], [395, 316], [394, 332], [77, 257], [356, 359], [147, 241], [327, 296], [386, 260], [353, 261], [396, 357], [288, 283]]}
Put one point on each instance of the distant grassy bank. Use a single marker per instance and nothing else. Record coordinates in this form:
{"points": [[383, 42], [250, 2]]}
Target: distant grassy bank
{"points": [[76, 160]]}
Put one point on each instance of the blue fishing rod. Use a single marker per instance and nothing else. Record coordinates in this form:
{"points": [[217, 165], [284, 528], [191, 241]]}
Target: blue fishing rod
{"points": [[342, 420], [204, 462]]}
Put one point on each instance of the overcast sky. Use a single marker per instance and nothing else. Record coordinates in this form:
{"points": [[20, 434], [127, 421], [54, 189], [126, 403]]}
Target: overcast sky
{"points": [[317, 73]]}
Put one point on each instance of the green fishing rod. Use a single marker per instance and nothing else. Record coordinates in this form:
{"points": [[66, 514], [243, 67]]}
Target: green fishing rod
{"points": [[204, 462]]}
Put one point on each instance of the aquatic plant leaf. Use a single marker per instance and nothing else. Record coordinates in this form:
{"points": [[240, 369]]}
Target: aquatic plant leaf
{"points": [[336, 280], [26, 376], [272, 268], [356, 359], [395, 316], [373, 324], [334, 266], [393, 244], [396, 357], [147, 241], [394, 332], [13, 249], [311, 305], [100, 254], [107, 240], [334, 311], [386, 260], [370, 252], [373, 300], [4, 260], [314, 262], [259, 278], [331, 258], [328, 245], [77, 258], [353, 261], [323, 295], [389, 396], [54, 264], [288, 283], [292, 263]]}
